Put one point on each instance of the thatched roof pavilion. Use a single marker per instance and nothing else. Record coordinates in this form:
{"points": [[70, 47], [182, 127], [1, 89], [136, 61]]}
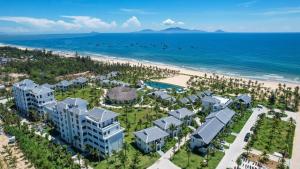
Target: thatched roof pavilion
{"points": [[122, 94]]}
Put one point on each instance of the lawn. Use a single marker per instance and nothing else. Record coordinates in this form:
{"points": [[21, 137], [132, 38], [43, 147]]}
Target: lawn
{"points": [[240, 121], [137, 119], [274, 136], [87, 93], [230, 138], [181, 160]]}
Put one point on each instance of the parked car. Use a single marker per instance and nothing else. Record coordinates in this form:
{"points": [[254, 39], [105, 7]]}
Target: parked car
{"points": [[246, 139]]}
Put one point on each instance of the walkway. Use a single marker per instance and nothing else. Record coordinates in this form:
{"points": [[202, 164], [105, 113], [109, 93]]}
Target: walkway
{"points": [[164, 161], [237, 147]]}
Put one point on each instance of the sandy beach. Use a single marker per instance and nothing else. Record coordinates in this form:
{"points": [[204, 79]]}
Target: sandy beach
{"points": [[180, 79]]}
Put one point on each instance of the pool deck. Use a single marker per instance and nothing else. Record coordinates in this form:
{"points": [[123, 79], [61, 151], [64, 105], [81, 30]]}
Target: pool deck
{"points": [[179, 80]]}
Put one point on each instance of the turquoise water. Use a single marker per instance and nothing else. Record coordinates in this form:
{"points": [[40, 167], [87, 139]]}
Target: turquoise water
{"points": [[262, 56], [160, 85]]}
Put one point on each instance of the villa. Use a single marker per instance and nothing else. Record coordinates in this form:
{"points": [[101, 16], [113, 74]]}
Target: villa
{"points": [[64, 85], [244, 99], [214, 124], [169, 124], [80, 81], [193, 98], [97, 128], [183, 115], [29, 95], [163, 95], [184, 100], [215, 103], [150, 139]]}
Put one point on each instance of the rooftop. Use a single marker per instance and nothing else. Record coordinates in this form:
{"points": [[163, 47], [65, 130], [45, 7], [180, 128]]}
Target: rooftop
{"points": [[209, 130], [151, 134], [101, 115], [122, 94], [181, 113], [223, 115], [166, 122]]}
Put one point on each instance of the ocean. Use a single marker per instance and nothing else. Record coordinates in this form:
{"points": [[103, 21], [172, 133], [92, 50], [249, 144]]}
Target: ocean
{"points": [[261, 56]]}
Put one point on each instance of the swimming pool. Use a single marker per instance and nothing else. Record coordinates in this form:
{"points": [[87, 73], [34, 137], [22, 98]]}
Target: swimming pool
{"points": [[160, 85]]}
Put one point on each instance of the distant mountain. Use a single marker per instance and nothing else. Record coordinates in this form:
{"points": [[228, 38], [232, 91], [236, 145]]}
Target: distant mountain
{"points": [[147, 31], [219, 31], [181, 30], [172, 30]]}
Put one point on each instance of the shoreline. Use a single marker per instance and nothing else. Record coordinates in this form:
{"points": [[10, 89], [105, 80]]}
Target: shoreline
{"points": [[184, 73]]}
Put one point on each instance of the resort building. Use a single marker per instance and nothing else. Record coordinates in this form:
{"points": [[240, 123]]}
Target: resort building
{"points": [[184, 100], [193, 98], [97, 128], [169, 124], [214, 123], [204, 93], [163, 95], [183, 114], [244, 99], [150, 139], [31, 96], [80, 81], [4, 60], [63, 85], [119, 95], [215, 103]]}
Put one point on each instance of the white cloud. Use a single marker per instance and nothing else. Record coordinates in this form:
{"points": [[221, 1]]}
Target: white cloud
{"points": [[91, 22], [169, 22], [133, 21], [77, 23]]}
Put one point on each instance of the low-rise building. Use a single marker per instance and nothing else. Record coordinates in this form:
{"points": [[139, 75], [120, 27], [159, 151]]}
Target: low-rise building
{"points": [[163, 95], [80, 81], [184, 100], [169, 124], [150, 139], [183, 114], [64, 85], [31, 96], [193, 98], [214, 124], [244, 99]]}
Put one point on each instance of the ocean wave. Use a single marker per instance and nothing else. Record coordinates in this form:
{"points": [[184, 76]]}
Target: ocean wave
{"points": [[230, 73]]}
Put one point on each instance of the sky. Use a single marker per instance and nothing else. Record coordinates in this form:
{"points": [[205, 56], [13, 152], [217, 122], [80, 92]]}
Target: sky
{"points": [[80, 16]]}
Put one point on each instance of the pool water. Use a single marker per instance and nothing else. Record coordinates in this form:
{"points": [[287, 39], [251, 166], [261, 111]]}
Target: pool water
{"points": [[160, 85]]}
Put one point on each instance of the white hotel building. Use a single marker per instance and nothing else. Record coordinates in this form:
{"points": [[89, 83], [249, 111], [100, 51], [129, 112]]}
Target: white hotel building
{"points": [[29, 95], [80, 127]]}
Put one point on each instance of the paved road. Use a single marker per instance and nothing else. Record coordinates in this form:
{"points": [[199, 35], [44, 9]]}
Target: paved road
{"points": [[164, 161], [237, 147]]}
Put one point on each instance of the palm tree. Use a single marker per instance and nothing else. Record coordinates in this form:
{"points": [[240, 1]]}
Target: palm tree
{"points": [[189, 151], [264, 157], [172, 129]]}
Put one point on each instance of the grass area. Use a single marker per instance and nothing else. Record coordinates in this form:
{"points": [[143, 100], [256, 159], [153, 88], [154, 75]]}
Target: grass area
{"points": [[181, 160], [87, 93], [240, 121], [169, 144], [230, 138], [137, 119], [274, 136]]}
